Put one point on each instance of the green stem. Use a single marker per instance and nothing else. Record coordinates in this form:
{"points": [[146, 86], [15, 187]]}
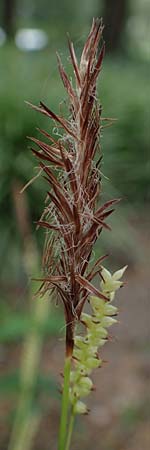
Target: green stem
{"points": [[65, 404], [26, 422], [70, 429]]}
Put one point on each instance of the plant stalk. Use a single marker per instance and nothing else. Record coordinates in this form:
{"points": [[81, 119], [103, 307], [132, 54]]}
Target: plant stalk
{"points": [[27, 417], [65, 404], [70, 430], [27, 421]]}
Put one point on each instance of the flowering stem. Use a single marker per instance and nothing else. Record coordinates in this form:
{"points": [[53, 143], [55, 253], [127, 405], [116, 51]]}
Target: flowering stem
{"points": [[65, 404], [70, 429]]}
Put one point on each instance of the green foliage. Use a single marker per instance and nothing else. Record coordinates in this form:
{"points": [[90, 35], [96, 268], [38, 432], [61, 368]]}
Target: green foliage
{"points": [[10, 384], [126, 144], [16, 121], [17, 325]]}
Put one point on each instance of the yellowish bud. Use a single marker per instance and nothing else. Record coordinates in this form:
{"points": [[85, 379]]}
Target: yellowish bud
{"points": [[80, 408], [108, 321], [119, 273], [110, 310]]}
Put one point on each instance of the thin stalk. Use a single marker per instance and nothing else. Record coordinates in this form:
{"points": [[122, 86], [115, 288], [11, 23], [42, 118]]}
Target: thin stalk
{"points": [[27, 420], [65, 404], [70, 430], [27, 417]]}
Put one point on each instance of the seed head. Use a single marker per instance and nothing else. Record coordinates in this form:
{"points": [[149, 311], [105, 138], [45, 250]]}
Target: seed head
{"points": [[72, 219]]}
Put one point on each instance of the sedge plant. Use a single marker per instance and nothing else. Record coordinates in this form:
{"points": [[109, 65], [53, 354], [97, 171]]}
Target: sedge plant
{"points": [[74, 218]]}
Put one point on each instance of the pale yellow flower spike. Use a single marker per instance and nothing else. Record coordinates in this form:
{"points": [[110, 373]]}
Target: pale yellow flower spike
{"points": [[85, 353]]}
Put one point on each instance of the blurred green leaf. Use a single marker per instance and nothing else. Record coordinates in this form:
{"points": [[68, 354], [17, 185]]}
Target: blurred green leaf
{"points": [[10, 384], [17, 325]]}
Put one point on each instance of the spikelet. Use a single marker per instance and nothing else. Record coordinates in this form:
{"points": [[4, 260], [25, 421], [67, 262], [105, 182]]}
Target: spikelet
{"points": [[85, 354]]}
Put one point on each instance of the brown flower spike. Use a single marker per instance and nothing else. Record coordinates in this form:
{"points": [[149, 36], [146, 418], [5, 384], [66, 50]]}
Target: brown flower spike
{"points": [[71, 218]]}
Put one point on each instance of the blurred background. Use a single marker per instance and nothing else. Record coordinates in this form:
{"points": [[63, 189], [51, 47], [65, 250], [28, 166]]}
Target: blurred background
{"points": [[32, 330]]}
